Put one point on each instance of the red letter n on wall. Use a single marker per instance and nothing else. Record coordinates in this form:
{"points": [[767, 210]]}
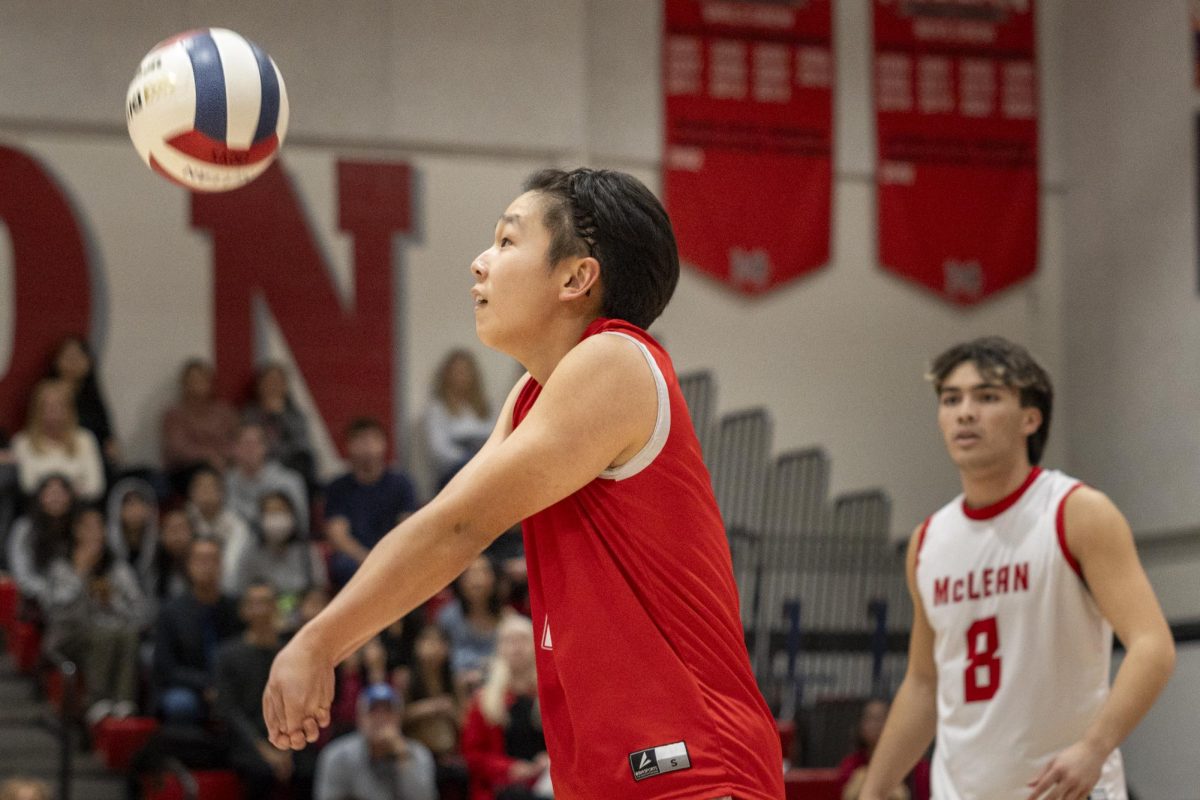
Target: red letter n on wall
{"points": [[263, 248], [51, 293]]}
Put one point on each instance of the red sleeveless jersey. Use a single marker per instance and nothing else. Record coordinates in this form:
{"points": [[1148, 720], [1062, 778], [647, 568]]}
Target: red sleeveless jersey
{"points": [[645, 684]]}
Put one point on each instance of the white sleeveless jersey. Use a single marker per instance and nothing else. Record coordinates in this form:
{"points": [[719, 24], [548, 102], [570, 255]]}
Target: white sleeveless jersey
{"points": [[1023, 653]]}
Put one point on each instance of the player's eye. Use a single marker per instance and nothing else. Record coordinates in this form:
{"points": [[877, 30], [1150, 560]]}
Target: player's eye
{"points": [[949, 399], [504, 240]]}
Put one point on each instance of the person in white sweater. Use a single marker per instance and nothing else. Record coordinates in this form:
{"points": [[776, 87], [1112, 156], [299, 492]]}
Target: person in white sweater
{"points": [[53, 442], [458, 420], [212, 518]]}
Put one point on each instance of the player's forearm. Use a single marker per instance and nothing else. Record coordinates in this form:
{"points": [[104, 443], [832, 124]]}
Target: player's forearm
{"points": [[910, 727], [1144, 672], [413, 562]]}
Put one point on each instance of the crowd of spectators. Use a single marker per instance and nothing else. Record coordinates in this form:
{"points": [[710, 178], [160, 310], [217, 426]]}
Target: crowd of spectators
{"points": [[173, 585]]}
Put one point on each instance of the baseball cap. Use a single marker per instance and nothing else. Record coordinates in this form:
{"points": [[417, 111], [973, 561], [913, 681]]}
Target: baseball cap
{"points": [[379, 693]]}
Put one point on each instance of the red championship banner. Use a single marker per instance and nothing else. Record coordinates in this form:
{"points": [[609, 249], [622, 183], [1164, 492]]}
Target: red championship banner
{"points": [[749, 117], [956, 118]]}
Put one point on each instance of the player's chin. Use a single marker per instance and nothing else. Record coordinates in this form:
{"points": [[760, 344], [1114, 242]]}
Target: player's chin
{"points": [[486, 333]]}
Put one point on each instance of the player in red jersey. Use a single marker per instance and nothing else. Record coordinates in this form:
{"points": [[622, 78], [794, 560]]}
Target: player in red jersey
{"points": [[645, 685]]}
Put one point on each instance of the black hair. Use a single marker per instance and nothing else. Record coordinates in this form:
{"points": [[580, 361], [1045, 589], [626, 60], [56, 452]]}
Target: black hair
{"points": [[495, 600], [362, 425], [205, 469], [612, 217], [90, 408], [51, 535], [1009, 364], [418, 688]]}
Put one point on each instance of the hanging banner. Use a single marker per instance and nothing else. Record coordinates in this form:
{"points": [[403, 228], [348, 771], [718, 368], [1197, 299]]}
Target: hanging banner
{"points": [[956, 120], [748, 123]]}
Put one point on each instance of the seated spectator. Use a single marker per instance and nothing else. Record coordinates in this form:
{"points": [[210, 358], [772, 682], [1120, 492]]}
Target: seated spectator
{"points": [[502, 737], [74, 363], [471, 619], [53, 442], [458, 420], [314, 600], [10, 493], [365, 503], [252, 474], [133, 524], [853, 769], [198, 429], [288, 440], [281, 555], [167, 578], [376, 762], [189, 629], [41, 536], [242, 666], [432, 710], [399, 643], [95, 612], [213, 519], [365, 666]]}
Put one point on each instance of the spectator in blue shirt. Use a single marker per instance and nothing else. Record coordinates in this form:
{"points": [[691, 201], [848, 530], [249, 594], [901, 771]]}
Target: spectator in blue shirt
{"points": [[365, 503]]}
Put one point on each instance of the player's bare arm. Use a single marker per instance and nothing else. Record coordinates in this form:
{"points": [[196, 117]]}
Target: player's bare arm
{"points": [[1101, 541], [596, 410], [912, 720]]}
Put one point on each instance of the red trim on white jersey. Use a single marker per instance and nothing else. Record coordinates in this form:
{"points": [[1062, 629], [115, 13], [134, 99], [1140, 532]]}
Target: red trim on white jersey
{"points": [[1061, 526], [921, 536], [1000, 506]]}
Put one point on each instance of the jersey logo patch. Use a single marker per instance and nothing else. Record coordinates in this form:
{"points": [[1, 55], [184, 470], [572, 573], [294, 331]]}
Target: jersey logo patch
{"points": [[659, 760]]}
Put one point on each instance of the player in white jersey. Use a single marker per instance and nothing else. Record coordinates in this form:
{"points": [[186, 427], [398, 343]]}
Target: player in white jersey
{"points": [[1017, 586]]}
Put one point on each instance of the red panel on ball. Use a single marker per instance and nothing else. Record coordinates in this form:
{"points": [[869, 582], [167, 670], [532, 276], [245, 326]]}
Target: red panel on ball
{"points": [[209, 150]]}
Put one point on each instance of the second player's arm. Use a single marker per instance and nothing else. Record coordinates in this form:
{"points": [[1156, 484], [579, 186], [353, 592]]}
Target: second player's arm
{"points": [[599, 404], [912, 720], [1101, 541]]}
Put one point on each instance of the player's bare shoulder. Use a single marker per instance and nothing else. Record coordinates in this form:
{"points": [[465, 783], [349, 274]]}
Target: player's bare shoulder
{"points": [[612, 366], [1091, 520], [609, 385]]}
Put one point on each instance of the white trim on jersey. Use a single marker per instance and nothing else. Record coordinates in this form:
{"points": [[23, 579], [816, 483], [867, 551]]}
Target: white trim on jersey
{"points": [[662, 424]]}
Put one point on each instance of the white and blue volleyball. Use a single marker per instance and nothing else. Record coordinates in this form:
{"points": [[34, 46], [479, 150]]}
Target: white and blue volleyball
{"points": [[207, 109]]}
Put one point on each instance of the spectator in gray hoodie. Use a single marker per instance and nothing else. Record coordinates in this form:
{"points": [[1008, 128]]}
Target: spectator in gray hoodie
{"points": [[133, 525], [95, 611]]}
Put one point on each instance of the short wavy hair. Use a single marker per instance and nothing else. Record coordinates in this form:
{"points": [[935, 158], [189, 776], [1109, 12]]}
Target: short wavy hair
{"points": [[1008, 364]]}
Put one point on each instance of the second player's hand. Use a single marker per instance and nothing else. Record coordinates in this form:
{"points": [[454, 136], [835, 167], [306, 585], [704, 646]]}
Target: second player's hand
{"points": [[298, 695], [1070, 775]]}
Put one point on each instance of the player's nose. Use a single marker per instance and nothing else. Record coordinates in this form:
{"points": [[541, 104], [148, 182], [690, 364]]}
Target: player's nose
{"points": [[478, 267]]}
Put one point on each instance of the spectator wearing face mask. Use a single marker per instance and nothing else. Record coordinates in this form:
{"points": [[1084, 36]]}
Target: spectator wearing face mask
{"points": [[253, 473], [282, 554]]}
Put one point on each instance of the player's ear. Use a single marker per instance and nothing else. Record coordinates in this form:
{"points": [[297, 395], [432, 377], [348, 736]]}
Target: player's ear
{"points": [[581, 278], [1032, 420]]}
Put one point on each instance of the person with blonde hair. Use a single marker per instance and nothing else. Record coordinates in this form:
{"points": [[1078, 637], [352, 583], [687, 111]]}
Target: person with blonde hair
{"points": [[502, 738], [54, 442], [459, 419]]}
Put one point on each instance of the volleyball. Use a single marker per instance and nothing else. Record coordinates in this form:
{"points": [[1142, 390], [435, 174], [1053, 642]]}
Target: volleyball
{"points": [[207, 109]]}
